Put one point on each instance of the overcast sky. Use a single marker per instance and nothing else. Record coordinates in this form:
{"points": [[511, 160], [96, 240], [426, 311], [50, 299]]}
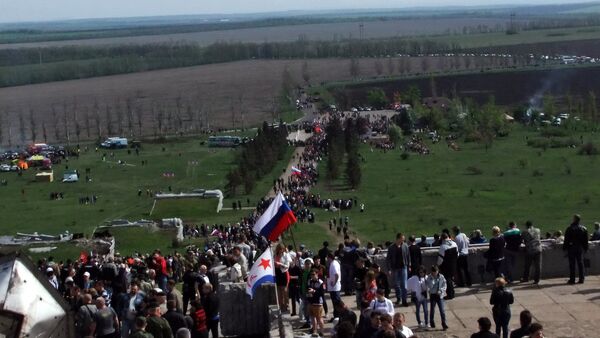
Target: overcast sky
{"points": [[45, 10]]}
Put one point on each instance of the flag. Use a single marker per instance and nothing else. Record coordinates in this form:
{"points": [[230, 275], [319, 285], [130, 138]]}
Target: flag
{"points": [[275, 220], [83, 257], [296, 171], [261, 272]]}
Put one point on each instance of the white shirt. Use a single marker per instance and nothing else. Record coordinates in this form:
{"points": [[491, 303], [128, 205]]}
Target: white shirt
{"points": [[462, 242], [406, 331], [417, 285], [334, 269], [385, 306]]}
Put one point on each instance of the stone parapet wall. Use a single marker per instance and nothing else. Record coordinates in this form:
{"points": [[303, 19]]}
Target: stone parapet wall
{"points": [[242, 316], [554, 261]]}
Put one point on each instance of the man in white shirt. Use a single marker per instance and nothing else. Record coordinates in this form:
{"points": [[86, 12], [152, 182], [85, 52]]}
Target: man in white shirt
{"points": [[448, 255], [462, 264], [399, 321], [334, 283]]}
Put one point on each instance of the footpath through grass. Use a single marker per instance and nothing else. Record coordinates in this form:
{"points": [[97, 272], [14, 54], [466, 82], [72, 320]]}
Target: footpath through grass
{"points": [[473, 188]]}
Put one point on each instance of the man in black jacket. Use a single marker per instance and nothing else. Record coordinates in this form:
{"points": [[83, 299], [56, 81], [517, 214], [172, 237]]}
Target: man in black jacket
{"points": [[416, 259], [398, 260], [576, 244]]}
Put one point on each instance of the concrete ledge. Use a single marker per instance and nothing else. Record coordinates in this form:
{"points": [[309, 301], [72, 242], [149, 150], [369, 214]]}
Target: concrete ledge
{"points": [[554, 261]]}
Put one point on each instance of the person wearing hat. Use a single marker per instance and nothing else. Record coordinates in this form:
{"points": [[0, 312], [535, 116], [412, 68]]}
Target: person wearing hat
{"points": [[500, 300], [52, 277], [87, 283], [140, 329]]}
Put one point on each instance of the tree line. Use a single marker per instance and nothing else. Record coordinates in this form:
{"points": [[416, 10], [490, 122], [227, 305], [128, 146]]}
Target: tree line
{"points": [[29, 66], [257, 158], [343, 142]]}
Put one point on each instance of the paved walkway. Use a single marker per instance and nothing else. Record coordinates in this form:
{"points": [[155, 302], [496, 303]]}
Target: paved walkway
{"points": [[564, 310]]}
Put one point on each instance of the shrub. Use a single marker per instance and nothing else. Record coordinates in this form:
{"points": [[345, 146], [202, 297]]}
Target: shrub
{"points": [[472, 170], [588, 149], [523, 163], [404, 156], [537, 173]]}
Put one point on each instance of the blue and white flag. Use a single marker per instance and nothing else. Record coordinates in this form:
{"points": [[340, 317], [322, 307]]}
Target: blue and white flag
{"points": [[262, 271]]}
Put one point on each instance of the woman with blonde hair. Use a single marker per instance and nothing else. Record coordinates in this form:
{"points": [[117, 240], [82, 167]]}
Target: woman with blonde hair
{"points": [[500, 300], [495, 255], [282, 275]]}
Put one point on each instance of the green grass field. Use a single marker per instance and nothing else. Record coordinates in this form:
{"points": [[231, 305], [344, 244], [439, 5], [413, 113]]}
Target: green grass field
{"points": [[26, 205], [424, 194]]}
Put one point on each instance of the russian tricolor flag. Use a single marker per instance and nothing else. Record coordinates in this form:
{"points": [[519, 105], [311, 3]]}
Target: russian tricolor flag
{"points": [[296, 171], [261, 272], [275, 220]]}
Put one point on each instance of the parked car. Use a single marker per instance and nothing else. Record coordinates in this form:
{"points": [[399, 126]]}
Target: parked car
{"points": [[4, 167]]}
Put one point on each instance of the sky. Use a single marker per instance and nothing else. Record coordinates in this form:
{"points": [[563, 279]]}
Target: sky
{"points": [[48, 10]]}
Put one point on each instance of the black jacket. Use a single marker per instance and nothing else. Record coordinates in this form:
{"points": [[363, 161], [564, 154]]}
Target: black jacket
{"points": [[576, 238], [484, 334], [398, 258], [501, 299]]}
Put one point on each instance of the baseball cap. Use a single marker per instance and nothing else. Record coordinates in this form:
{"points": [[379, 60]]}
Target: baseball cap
{"points": [[49, 269], [87, 274]]}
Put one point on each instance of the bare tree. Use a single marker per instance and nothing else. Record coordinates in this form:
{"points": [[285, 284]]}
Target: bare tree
{"points": [[119, 110], [140, 119], [390, 66], [32, 125], [65, 118], [159, 119], [88, 123], [22, 135], [129, 111], [2, 126], [44, 132], [424, 63], [55, 123], [354, 68], [305, 73], [78, 127], [179, 114], [97, 119], [378, 67], [108, 120]]}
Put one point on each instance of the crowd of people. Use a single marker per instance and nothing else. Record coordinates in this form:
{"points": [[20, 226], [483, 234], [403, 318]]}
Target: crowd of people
{"points": [[136, 296]]}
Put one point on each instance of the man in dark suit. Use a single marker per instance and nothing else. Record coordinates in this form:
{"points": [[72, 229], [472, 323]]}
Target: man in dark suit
{"points": [[576, 244]]}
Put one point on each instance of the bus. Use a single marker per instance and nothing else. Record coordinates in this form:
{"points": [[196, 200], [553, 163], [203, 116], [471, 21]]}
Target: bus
{"points": [[224, 141]]}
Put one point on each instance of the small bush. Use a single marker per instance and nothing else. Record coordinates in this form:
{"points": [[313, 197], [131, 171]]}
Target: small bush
{"points": [[404, 156], [501, 174], [588, 149], [586, 199], [472, 170], [537, 173], [568, 170], [523, 163]]}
